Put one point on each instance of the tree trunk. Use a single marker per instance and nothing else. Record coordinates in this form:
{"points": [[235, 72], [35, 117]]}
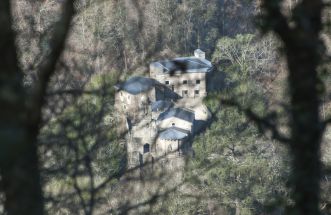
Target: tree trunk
{"points": [[20, 180], [304, 52], [306, 130]]}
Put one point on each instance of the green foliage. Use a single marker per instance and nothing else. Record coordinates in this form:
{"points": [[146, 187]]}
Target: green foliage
{"points": [[87, 125], [82, 145], [234, 167]]}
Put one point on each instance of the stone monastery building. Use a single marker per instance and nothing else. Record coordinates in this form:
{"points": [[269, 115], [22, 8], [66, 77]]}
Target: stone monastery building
{"points": [[162, 113]]}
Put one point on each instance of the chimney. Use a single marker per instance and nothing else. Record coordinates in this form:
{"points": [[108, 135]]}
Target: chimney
{"points": [[199, 54]]}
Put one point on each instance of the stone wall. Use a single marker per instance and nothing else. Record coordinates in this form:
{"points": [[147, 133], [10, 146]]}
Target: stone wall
{"points": [[186, 85]]}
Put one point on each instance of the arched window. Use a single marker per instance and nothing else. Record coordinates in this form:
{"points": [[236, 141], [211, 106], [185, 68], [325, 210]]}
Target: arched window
{"points": [[146, 148]]}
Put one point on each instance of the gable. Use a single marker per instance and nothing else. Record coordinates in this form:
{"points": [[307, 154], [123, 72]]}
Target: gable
{"points": [[179, 113]]}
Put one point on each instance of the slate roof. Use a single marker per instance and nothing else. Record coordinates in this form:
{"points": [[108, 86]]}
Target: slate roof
{"points": [[136, 85], [173, 133], [177, 112], [184, 64], [160, 105]]}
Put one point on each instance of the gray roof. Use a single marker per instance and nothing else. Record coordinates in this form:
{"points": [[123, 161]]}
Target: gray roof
{"points": [[136, 85], [173, 133], [160, 105], [184, 64], [178, 113]]}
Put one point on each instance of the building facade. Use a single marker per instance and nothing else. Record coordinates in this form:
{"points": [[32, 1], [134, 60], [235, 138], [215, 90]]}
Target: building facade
{"points": [[186, 76]]}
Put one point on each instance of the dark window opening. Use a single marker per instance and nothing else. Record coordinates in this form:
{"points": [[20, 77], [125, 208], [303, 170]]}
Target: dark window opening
{"points": [[197, 81], [167, 82], [169, 148], [173, 124], [196, 92], [185, 82], [173, 87], [185, 93], [146, 148]]}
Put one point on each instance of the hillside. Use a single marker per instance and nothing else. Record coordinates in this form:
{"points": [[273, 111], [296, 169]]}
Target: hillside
{"points": [[165, 107]]}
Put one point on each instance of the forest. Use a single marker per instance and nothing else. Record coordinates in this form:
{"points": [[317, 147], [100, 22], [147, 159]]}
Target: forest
{"points": [[266, 149]]}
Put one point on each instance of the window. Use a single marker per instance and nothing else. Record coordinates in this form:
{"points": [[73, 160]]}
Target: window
{"points": [[196, 92], [146, 148], [185, 82], [185, 93], [121, 97], [173, 124], [197, 81], [167, 82]]}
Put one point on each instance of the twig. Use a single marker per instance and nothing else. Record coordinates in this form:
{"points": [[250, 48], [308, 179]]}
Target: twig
{"points": [[264, 123]]}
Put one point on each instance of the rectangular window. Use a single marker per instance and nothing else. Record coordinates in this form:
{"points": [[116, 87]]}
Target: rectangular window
{"points": [[146, 148], [197, 81], [167, 82], [185, 82], [121, 97], [196, 92]]}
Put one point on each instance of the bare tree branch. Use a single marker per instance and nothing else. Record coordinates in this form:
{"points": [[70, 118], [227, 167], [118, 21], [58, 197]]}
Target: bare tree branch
{"points": [[74, 92], [47, 67], [264, 124]]}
